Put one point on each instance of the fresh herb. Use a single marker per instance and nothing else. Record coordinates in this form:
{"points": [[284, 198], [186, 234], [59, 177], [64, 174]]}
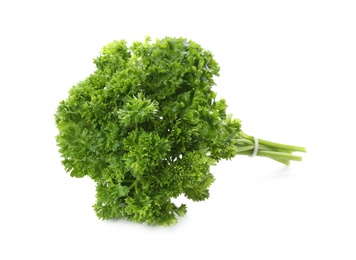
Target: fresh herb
{"points": [[146, 127]]}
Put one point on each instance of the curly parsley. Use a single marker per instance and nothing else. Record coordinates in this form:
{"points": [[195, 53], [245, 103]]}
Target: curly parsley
{"points": [[146, 127]]}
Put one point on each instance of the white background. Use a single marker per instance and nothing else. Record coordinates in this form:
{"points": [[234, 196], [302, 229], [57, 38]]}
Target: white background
{"points": [[288, 71]]}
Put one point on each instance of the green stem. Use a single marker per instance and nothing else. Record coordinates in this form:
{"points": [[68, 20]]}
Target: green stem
{"points": [[133, 185], [279, 152], [128, 180], [275, 145]]}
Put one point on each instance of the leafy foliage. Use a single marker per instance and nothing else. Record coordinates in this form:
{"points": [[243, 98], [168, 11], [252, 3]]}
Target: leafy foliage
{"points": [[146, 127]]}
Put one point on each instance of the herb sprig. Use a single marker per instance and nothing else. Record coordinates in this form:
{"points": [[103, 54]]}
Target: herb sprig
{"points": [[146, 127]]}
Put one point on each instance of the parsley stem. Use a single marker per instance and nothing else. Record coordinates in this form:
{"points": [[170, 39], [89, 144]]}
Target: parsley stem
{"points": [[133, 185], [128, 180], [275, 145], [279, 152]]}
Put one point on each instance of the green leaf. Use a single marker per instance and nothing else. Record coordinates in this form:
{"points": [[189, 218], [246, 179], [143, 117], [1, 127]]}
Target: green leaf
{"points": [[122, 191]]}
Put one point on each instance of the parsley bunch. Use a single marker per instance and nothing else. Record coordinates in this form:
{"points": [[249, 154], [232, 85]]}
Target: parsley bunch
{"points": [[146, 127]]}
